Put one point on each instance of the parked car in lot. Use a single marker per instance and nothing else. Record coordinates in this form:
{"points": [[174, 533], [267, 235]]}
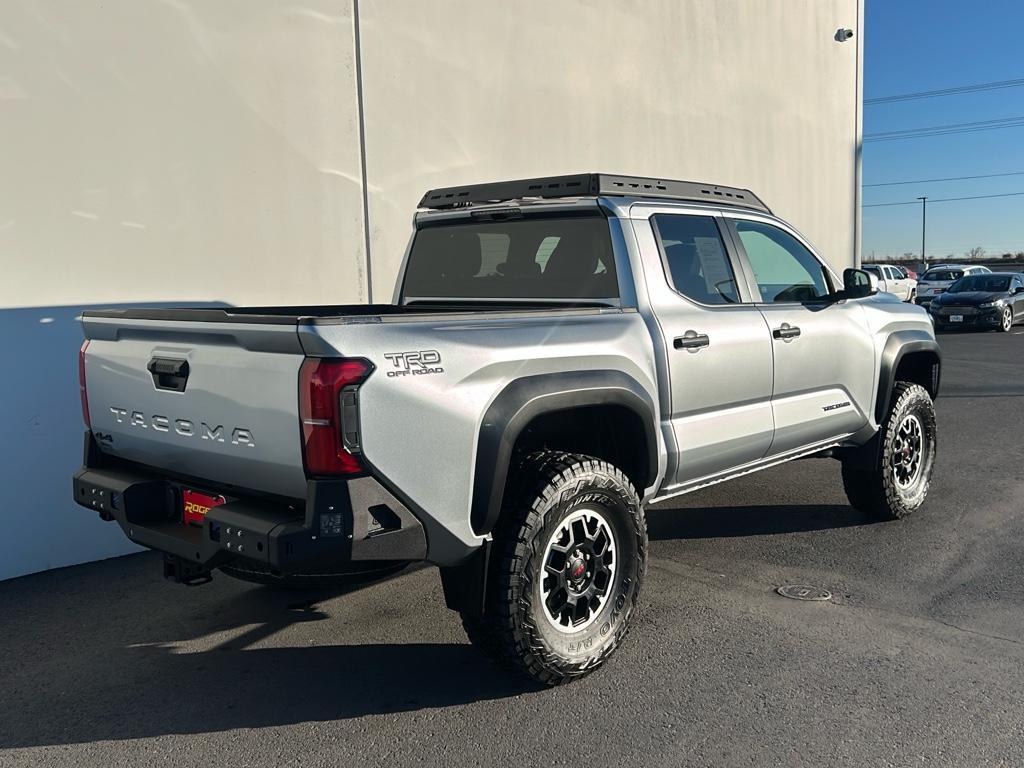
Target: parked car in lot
{"points": [[992, 302], [938, 278], [893, 280], [560, 352], [909, 273]]}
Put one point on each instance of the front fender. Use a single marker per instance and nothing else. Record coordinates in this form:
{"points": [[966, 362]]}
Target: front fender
{"points": [[897, 347]]}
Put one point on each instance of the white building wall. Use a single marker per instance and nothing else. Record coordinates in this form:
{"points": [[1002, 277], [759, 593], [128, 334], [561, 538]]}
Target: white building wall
{"points": [[209, 151], [199, 151], [747, 93]]}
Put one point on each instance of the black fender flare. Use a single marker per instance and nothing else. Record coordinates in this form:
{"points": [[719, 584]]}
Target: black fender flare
{"points": [[522, 400], [898, 346]]}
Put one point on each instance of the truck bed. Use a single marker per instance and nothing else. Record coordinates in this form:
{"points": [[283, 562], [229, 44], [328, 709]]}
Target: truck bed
{"points": [[235, 417]]}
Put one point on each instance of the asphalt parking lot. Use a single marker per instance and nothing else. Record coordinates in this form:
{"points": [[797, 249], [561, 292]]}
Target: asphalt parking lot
{"points": [[918, 658]]}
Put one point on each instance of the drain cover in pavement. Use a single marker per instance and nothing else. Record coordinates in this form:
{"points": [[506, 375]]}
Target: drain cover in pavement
{"points": [[804, 592]]}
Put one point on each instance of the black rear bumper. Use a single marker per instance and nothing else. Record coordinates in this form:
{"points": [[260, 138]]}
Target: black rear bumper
{"points": [[339, 522]]}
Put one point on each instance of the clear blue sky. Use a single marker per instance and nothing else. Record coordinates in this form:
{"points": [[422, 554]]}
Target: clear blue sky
{"points": [[912, 46]]}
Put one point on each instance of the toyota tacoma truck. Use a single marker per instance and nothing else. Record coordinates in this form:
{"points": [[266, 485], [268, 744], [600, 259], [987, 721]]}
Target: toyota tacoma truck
{"points": [[559, 353]]}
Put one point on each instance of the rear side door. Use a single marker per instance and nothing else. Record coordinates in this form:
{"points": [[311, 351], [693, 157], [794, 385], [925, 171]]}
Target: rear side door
{"points": [[717, 350], [822, 351], [888, 281]]}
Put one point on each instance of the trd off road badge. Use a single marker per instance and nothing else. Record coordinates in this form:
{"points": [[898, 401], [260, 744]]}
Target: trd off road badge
{"points": [[415, 363]]}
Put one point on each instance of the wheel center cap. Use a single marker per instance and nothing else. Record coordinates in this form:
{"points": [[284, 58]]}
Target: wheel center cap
{"points": [[576, 569]]}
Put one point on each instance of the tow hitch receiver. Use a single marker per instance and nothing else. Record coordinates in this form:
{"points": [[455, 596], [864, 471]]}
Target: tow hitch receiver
{"points": [[181, 571]]}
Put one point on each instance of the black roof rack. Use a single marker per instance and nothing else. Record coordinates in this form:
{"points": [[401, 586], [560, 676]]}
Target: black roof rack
{"points": [[585, 184]]}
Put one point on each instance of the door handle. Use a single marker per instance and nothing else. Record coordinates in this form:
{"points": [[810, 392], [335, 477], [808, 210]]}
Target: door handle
{"points": [[691, 341], [786, 332], [168, 373]]}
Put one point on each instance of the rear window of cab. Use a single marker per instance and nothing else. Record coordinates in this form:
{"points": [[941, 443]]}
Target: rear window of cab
{"points": [[942, 275], [535, 258]]}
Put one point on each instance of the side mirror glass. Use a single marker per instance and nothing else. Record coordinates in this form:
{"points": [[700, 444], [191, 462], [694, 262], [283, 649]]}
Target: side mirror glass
{"points": [[1018, 289], [857, 283]]}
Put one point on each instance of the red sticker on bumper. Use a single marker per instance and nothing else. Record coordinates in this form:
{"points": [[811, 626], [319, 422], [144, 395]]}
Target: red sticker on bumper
{"points": [[195, 505]]}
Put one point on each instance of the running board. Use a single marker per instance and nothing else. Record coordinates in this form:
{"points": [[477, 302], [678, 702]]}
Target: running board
{"points": [[704, 482]]}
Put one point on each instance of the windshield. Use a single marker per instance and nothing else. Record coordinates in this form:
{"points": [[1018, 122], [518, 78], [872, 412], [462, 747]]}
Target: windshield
{"points": [[942, 275], [536, 258], [985, 283], [874, 270]]}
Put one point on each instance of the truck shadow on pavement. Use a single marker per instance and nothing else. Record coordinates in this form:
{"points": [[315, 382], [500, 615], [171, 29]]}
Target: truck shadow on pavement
{"points": [[121, 678], [724, 522], [110, 651]]}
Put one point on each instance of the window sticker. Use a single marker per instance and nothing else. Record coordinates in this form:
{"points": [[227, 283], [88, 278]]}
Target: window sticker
{"points": [[713, 264]]}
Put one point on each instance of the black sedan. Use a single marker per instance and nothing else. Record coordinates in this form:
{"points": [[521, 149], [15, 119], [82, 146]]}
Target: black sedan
{"points": [[992, 301]]}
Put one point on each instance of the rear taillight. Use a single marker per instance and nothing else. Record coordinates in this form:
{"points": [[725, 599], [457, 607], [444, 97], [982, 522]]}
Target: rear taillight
{"points": [[81, 384], [322, 385]]}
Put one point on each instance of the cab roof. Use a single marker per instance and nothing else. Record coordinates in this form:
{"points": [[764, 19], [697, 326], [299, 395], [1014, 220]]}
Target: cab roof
{"points": [[590, 184]]}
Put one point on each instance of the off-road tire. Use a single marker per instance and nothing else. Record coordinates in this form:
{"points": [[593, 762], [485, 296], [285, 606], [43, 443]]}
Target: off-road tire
{"points": [[550, 489], [870, 478]]}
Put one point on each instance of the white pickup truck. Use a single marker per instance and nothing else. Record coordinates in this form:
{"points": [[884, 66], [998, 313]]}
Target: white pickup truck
{"points": [[893, 280], [560, 352]]}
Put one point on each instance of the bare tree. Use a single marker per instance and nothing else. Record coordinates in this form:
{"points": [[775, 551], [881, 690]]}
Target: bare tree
{"points": [[977, 252]]}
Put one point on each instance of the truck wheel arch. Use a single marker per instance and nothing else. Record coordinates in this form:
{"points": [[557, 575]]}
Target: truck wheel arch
{"points": [[910, 355], [532, 399]]}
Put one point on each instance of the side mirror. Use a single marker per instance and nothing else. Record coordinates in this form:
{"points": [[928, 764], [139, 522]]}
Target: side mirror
{"points": [[858, 283], [1018, 289]]}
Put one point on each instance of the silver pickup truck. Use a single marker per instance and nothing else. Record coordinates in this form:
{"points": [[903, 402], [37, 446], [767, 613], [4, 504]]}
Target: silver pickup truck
{"points": [[560, 352]]}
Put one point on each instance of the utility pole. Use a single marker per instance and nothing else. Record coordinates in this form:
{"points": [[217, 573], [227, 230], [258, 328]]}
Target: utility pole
{"points": [[924, 210]]}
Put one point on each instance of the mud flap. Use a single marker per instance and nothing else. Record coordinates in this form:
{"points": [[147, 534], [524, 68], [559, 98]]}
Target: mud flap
{"points": [[465, 585]]}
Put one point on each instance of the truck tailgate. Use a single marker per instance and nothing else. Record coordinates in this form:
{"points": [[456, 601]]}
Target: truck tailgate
{"points": [[215, 400]]}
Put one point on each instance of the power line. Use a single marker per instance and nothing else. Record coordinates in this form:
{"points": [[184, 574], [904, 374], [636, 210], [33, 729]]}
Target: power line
{"points": [[944, 199], [951, 128], [994, 121], [948, 178], [955, 90], [923, 133]]}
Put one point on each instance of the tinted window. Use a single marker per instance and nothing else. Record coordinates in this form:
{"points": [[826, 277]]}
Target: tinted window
{"points": [[980, 282], [697, 262], [532, 258], [942, 275], [783, 268]]}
